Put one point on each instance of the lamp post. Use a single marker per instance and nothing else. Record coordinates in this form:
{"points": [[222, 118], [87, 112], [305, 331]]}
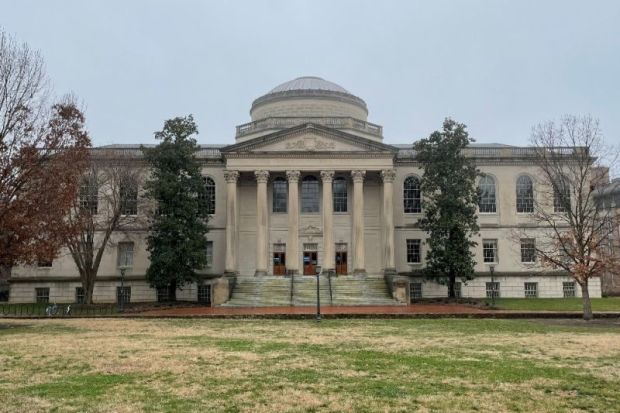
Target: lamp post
{"points": [[318, 294], [121, 296], [492, 269]]}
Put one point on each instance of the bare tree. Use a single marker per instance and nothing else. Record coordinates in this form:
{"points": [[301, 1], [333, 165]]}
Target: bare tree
{"points": [[108, 202], [575, 228], [42, 151]]}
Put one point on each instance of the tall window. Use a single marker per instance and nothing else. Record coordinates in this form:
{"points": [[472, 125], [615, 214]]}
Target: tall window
{"points": [[528, 250], [79, 295], [414, 255], [412, 195], [525, 194], [561, 195], [209, 194], [125, 254], [489, 250], [209, 253], [340, 195], [280, 195], [310, 194], [89, 194], [129, 196], [42, 295], [487, 194]]}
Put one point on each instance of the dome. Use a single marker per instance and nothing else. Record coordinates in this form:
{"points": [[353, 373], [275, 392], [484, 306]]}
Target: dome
{"points": [[308, 96], [308, 83]]}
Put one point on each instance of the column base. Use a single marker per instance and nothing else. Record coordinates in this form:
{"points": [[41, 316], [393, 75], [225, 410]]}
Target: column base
{"points": [[229, 273], [260, 273], [359, 271], [292, 271], [389, 271]]}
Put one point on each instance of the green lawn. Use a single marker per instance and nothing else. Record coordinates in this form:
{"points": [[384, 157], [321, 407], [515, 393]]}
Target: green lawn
{"points": [[557, 304], [106, 365]]}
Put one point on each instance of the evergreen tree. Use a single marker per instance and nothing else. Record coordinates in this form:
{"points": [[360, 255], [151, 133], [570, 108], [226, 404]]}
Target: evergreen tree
{"points": [[450, 200], [177, 240]]}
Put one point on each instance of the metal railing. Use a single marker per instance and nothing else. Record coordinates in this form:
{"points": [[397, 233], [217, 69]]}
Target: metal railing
{"points": [[332, 122]]}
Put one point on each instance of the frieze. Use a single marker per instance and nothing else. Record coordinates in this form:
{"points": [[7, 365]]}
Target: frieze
{"points": [[310, 144]]}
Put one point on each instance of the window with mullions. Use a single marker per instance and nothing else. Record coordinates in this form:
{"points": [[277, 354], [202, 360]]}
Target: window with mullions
{"points": [[79, 295], [487, 203], [209, 194], [204, 294], [492, 289], [340, 195], [413, 251], [489, 250], [531, 290], [310, 194], [528, 250], [568, 288], [415, 291], [89, 193], [412, 197], [280, 195], [123, 294], [42, 295], [129, 196], [525, 194], [561, 195]]}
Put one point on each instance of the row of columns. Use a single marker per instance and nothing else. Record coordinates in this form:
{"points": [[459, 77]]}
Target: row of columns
{"points": [[292, 246]]}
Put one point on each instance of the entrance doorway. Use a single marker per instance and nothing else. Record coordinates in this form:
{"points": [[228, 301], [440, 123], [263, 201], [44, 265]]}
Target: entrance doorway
{"points": [[310, 262], [341, 259], [279, 263]]}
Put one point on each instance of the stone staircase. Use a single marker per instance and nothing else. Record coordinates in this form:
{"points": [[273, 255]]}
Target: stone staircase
{"points": [[276, 291]]}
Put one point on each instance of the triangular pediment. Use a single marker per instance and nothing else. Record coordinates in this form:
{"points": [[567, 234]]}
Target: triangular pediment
{"points": [[309, 138]]}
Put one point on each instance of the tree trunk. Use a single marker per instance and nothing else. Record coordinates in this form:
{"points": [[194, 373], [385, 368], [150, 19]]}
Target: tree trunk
{"points": [[173, 290], [585, 297], [89, 287], [451, 285]]}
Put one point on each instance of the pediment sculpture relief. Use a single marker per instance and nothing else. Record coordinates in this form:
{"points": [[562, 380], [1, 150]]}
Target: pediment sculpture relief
{"points": [[310, 144]]}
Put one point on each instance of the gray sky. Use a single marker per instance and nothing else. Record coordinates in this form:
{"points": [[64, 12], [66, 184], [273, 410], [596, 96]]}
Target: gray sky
{"points": [[498, 66]]}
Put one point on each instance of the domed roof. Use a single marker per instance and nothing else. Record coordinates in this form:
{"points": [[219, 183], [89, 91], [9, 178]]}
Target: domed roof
{"points": [[308, 83], [311, 88]]}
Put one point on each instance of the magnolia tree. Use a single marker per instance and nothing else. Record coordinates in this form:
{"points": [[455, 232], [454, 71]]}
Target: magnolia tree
{"points": [[570, 156], [107, 203], [43, 150]]}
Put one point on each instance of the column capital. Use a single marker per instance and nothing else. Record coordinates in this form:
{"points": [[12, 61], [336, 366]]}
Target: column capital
{"points": [[261, 176], [293, 176], [358, 176], [231, 176], [327, 176], [388, 175]]}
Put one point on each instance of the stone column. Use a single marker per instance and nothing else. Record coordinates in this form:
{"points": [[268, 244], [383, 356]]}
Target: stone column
{"points": [[388, 176], [231, 178], [261, 222], [292, 244], [328, 221], [358, 222]]}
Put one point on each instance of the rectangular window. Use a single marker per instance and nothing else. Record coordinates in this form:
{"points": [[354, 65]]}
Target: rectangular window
{"points": [[79, 295], [458, 289], [340, 195], [163, 294], [280, 195], [413, 251], [42, 295], [531, 290], [209, 253], [129, 196], [204, 294], [489, 250], [125, 254], [415, 291], [123, 294], [492, 289], [568, 288], [528, 250]]}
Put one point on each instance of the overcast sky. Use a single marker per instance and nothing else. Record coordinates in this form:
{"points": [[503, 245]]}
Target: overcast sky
{"points": [[497, 66]]}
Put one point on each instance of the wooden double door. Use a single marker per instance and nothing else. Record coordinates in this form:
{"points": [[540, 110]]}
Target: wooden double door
{"points": [[310, 262], [279, 263], [341, 263]]}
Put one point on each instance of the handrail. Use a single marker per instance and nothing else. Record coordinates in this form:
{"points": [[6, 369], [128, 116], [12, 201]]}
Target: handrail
{"points": [[329, 281], [292, 273]]}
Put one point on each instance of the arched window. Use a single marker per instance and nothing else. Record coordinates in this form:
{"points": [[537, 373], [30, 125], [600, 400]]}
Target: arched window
{"points": [[339, 188], [310, 194], [209, 194], [525, 194], [412, 196], [561, 195], [89, 194], [487, 201], [280, 195]]}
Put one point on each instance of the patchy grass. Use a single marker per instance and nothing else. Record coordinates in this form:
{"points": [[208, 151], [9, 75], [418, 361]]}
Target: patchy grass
{"points": [[557, 304], [102, 365]]}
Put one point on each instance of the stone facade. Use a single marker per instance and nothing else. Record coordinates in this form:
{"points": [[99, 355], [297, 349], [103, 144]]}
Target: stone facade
{"points": [[358, 228]]}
